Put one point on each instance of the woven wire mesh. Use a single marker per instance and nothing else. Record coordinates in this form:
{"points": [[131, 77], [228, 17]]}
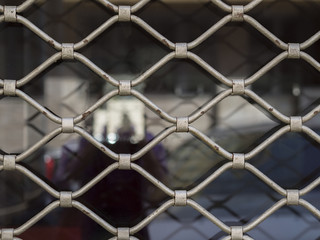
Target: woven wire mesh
{"points": [[173, 124]]}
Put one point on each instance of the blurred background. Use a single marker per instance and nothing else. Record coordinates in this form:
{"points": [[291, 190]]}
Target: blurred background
{"points": [[179, 88]]}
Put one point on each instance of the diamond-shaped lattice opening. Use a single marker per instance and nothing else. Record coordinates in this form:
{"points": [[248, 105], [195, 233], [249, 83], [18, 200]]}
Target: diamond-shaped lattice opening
{"points": [[288, 223], [239, 125], [125, 49], [228, 197], [119, 197], [183, 22], [65, 223], [283, 88], [291, 161], [298, 16], [76, 19], [21, 199], [313, 197], [237, 50], [313, 49], [176, 81], [21, 51], [70, 95], [189, 160], [21, 125], [183, 223]]}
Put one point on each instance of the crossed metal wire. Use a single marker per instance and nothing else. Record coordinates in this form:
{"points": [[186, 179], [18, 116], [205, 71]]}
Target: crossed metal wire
{"points": [[181, 197]]}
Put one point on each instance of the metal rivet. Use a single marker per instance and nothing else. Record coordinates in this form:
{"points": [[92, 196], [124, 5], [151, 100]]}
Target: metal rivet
{"points": [[10, 13], [182, 124], [125, 161], [124, 88], [7, 234], [236, 233], [180, 198], [123, 233], [9, 87], [293, 197], [67, 125], [238, 161], [237, 13], [9, 162], [238, 87], [181, 50], [294, 50], [67, 51], [66, 199], [124, 13], [296, 124]]}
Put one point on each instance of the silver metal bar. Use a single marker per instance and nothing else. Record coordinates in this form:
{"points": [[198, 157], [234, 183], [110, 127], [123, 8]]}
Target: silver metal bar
{"points": [[153, 32], [95, 180], [108, 5], [267, 106], [310, 207], [209, 32], [254, 23], [25, 5], [164, 134], [97, 144], [152, 179], [152, 216], [310, 41], [209, 69], [208, 215], [94, 107], [265, 179], [84, 42], [38, 181], [95, 69], [52, 206], [265, 215], [49, 62], [38, 145], [153, 107], [222, 5], [140, 4], [39, 107], [310, 60], [45, 37], [266, 68], [214, 146], [201, 111], [153, 69], [209, 179], [267, 142], [94, 217]]}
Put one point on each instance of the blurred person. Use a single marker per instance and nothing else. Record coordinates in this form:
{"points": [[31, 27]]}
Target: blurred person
{"points": [[119, 198]]}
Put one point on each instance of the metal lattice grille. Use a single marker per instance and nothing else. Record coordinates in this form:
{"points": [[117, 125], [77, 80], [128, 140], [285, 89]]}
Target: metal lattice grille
{"points": [[181, 50]]}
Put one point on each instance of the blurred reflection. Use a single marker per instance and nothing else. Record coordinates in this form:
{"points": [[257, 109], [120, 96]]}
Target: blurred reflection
{"points": [[120, 197]]}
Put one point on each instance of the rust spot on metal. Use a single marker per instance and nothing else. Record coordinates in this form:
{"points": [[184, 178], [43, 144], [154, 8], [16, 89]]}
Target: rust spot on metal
{"points": [[108, 5], [277, 42], [158, 111], [165, 42], [103, 149], [105, 77], [270, 109], [315, 112], [217, 148], [45, 113], [85, 212], [85, 41], [85, 115], [51, 42], [202, 112]]}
